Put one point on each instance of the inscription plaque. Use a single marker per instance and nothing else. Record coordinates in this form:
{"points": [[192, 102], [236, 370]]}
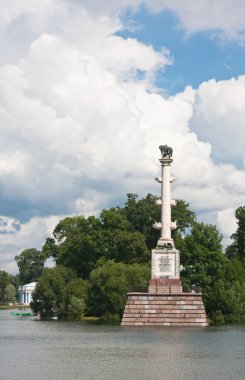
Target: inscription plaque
{"points": [[164, 265]]}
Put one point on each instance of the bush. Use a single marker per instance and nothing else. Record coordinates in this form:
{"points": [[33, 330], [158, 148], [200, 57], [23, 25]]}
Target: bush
{"points": [[109, 284], [59, 292]]}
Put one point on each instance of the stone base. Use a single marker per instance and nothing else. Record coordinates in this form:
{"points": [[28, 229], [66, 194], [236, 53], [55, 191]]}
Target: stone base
{"points": [[164, 286], [148, 309]]}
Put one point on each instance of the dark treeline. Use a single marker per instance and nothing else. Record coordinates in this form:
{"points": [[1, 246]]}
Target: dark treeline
{"points": [[8, 287], [98, 260]]}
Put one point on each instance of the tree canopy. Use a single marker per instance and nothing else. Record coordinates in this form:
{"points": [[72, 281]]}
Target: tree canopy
{"points": [[237, 248], [59, 293], [120, 234], [10, 293], [5, 289], [99, 259], [109, 285], [30, 263]]}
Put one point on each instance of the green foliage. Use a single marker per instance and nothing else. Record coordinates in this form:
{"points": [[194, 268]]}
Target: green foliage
{"points": [[108, 287], [5, 280], [141, 215], [226, 302], [76, 307], [30, 263], [109, 284], [114, 219], [144, 212], [111, 254], [183, 215], [222, 280], [10, 294], [111, 319], [120, 234], [237, 248], [202, 256], [59, 293], [128, 247], [49, 249], [82, 243]]}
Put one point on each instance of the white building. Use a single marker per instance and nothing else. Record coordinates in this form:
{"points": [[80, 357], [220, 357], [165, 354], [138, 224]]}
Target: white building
{"points": [[25, 293]]}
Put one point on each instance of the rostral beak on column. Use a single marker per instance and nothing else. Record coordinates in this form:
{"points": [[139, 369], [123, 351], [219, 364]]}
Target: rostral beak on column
{"points": [[158, 179]]}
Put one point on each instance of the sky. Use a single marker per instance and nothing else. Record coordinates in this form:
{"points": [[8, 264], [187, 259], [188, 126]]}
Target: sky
{"points": [[89, 89]]}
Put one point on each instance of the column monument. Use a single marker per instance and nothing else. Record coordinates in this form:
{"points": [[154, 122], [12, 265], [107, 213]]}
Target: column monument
{"points": [[165, 304], [165, 262]]}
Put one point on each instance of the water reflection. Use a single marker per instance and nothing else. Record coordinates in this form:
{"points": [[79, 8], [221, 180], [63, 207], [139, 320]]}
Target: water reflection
{"points": [[73, 350]]}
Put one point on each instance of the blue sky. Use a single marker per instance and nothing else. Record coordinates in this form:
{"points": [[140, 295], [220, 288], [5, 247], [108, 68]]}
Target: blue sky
{"points": [[196, 57], [87, 95]]}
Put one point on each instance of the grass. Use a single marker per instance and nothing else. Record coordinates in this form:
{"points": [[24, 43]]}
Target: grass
{"points": [[91, 319], [10, 307]]}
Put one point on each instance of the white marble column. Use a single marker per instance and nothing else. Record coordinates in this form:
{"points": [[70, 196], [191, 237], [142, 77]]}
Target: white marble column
{"points": [[165, 258], [165, 200]]}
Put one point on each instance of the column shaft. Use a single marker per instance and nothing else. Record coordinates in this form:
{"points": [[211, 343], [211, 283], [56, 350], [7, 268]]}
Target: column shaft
{"points": [[165, 198]]}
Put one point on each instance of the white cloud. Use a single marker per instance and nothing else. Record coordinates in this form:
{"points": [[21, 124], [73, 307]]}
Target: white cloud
{"points": [[227, 222], [223, 17], [219, 15], [80, 128], [8, 225], [218, 117], [19, 236], [32, 16], [91, 204]]}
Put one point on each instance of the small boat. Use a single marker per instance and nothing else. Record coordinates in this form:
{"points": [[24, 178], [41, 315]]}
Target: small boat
{"points": [[22, 313]]}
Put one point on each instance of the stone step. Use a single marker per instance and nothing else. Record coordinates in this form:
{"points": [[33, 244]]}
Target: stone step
{"points": [[199, 323], [182, 309]]}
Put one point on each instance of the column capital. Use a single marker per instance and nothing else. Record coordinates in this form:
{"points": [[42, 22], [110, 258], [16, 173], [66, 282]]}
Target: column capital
{"points": [[166, 161]]}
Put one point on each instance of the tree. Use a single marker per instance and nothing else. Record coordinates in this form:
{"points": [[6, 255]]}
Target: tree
{"points": [[59, 292], [202, 256], [114, 219], [204, 266], [120, 234], [226, 302], [109, 284], [231, 295], [237, 248], [81, 244], [30, 263], [123, 243], [111, 254], [183, 215], [78, 244], [144, 212], [5, 280], [127, 247], [141, 215], [76, 307], [10, 294]]}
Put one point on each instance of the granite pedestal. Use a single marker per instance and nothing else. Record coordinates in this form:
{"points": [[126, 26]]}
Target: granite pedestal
{"points": [[176, 309]]}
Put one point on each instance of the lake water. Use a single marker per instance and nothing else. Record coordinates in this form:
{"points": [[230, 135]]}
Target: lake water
{"points": [[73, 350]]}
